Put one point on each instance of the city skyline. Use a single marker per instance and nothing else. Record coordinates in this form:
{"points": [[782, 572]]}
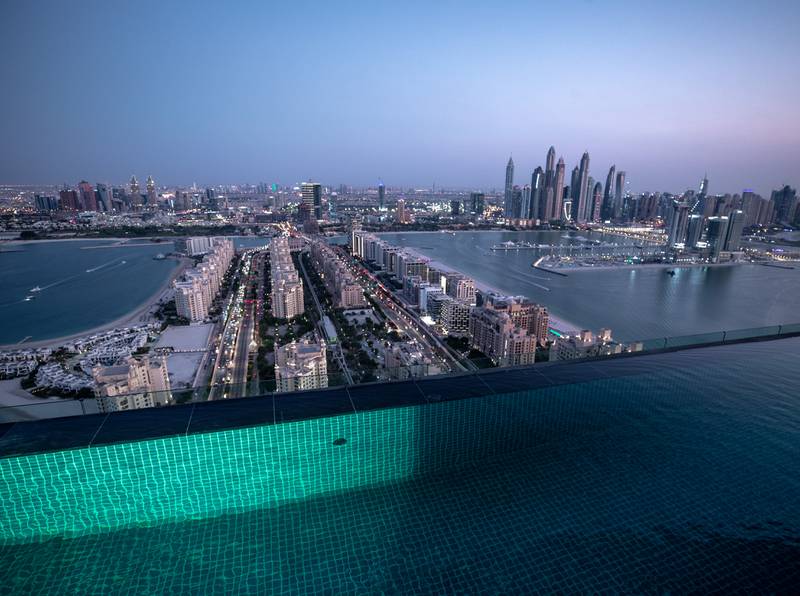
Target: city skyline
{"points": [[413, 101]]}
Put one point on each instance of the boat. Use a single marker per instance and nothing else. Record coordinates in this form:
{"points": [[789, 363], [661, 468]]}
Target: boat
{"points": [[36, 289], [159, 257], [29, 298], [670, 272]]}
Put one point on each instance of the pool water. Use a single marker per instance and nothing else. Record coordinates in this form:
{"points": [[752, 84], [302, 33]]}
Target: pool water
{"points": [[685, 478]]}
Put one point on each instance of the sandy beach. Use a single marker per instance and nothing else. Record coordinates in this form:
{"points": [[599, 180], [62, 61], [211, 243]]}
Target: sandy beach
{"points": [[141, 315]]}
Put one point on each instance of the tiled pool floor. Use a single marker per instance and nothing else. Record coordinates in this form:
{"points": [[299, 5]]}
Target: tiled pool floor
{"points": [[663, 506]]}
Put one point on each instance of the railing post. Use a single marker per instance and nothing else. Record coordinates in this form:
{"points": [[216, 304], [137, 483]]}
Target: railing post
{"points": [[724, 335]]}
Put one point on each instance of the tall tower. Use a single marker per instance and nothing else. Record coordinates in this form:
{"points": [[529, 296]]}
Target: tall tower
{"points": [[597, 202], [151, 191], [507, 198], [574, 191], [583, 190], [619, 194], [558, 188], [537, 190], [311, 193], [550, 164], [381, 194], [607, 210]]}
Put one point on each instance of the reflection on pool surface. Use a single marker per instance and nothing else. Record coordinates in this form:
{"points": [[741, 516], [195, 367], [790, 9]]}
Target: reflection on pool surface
{"points": [[682, 476]]}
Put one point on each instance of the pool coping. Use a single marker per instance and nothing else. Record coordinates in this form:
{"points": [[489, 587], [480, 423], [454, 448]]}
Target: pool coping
{"points": [[94, 430]]}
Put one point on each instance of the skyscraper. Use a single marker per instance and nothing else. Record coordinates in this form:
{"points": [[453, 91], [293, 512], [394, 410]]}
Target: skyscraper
{"points": [[695, 230], [525, 203], [619, 194], [381, 195], [583, 191], [152, 198], [558, 189], [537, 187], [786, 205], [716, 235], [311, 193], [597, 202], [574, 187], [104, 202], [733, 236], [476, 200], [551, 159], [507, 205], [69, 200], [516, 203], [136, 197], [678, 225], [607, 211], [88, 200]]}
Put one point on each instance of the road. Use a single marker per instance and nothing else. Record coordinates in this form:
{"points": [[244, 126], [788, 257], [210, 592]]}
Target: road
{"points": [[335, 348], [229, 378], [406, 320]]}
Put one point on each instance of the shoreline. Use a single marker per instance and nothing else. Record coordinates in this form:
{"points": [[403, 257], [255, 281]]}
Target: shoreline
{"points": [[564, 270], [556, 322], [140, 315]]}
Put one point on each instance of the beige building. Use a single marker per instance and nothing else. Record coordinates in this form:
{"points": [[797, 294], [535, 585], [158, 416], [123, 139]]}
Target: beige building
{"points": [[287, 287], [494, 333], [300, 366], [195, 293], [134, 384], [586, 345]]}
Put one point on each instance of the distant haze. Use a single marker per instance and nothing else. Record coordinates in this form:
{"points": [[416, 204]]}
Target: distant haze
{"points": [[410, 92]]}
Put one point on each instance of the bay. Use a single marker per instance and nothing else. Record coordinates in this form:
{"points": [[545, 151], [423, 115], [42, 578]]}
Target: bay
{"points": [[636, 303]]}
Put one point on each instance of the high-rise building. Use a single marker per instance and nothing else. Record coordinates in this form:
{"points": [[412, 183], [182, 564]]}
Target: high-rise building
{"points": [[460, 287], [69, 200], [733, 236], [311, 193], [558, 190], [582, 208], [619, 195], [88, 199], [509, 188], [136, 197], [401, 215], [537, 188], [607, 210], [381, 195], [104, 199], [477, 201], [46, 202], [787, 208], [494, 333], [597, 202], [287, 287], [574, 191], [152, 197], [695, 230], [716, 235], [679, 224], [455, 208], [211, 199]]}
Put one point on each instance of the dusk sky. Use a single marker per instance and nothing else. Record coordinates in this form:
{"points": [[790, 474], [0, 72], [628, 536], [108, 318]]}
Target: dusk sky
{"points": [[347, 92]]}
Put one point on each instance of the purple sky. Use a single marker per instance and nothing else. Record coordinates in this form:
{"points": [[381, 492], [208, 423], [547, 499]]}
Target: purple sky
{"points": [[346, 92]]}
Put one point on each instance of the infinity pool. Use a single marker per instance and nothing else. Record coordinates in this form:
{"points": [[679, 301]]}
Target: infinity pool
{"points": [[683, 474]]}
